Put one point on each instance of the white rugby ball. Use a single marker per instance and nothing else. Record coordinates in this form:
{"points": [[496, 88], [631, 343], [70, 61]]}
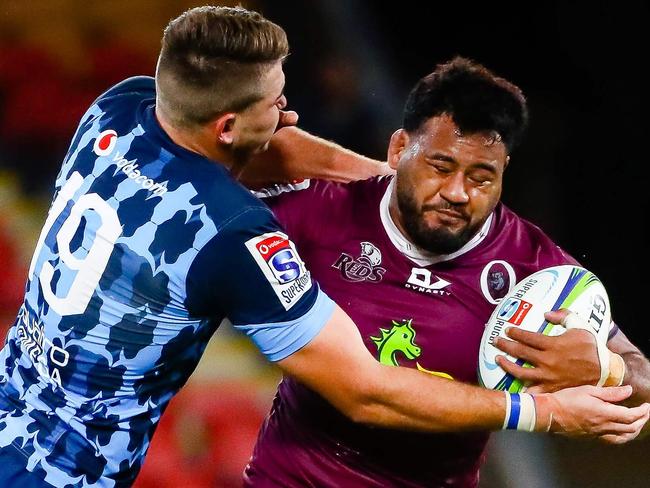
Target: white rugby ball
{"points": [[570, 287]]}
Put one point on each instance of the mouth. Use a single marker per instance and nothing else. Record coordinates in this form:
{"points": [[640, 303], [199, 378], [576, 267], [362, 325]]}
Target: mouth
{"points": [[412, 353], [451, 215]]}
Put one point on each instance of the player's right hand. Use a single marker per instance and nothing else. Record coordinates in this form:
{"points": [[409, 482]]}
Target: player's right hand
{"points": [[590, 411]]}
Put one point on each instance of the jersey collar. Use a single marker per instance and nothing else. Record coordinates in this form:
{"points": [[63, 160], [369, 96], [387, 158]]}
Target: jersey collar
{"points": [[416, 254]]}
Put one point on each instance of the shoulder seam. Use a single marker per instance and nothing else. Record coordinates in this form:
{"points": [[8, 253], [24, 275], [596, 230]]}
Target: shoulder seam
{"points": [[230, 220]]}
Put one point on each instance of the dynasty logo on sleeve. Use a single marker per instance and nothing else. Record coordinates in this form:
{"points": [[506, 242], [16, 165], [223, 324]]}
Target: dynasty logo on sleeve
{"points": [[278, 259]]}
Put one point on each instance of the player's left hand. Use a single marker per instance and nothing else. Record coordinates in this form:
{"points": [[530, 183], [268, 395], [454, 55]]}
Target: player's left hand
{"points": [[563, 361]]}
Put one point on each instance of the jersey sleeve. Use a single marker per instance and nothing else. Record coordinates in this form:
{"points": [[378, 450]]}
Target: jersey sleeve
{"points": [[251, 273]]}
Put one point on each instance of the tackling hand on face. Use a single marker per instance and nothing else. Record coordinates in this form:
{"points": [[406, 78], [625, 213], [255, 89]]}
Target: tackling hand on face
{"points": [[288, 118]]}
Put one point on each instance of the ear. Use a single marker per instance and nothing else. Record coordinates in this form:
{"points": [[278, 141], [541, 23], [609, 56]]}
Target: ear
{"points": [[398, 142], [223, 128]]}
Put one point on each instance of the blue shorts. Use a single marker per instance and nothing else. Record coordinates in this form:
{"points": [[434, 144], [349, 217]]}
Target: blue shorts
{"points": [[13, 470]]}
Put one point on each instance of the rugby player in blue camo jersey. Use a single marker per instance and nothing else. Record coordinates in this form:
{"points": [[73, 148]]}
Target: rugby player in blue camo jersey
{"points": [[150, 242]]}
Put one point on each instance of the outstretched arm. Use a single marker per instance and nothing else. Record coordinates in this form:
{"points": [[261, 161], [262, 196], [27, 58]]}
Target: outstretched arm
{"points": [[337, 365], [294, 154]]}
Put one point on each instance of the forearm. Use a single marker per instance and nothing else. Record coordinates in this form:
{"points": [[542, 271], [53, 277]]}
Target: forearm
{"points": [[448, 406], [429, 403], [637, 367], [337, 365], [637, 371], [296, 154], [637, 374]]}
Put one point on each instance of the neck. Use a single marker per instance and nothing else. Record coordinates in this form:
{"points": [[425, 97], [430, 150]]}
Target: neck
{"points": [[396, 215], [196, 141]]}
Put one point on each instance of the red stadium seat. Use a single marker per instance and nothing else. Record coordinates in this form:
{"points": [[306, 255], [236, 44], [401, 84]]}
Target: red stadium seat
{"points": [[12, 282], [205, 438]]}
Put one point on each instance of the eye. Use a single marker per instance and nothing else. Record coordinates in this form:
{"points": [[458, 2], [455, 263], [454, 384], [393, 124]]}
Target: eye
{"points": [[480, 179], [441, 168]]}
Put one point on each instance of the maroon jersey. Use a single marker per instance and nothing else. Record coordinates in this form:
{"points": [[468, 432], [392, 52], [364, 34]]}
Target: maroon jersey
{"points": [[414, 310]]}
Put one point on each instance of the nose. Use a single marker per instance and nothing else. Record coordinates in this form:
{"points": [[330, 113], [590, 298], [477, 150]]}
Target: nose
{"points": [[453, 188], [282, 103]]}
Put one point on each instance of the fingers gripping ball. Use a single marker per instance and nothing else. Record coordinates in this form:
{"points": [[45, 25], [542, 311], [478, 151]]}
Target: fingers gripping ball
{"points": [[559, 287], [612, 366]]}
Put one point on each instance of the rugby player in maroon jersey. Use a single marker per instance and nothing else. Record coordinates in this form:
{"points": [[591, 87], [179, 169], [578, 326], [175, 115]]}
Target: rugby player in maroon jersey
{"points": [[419, 261]]}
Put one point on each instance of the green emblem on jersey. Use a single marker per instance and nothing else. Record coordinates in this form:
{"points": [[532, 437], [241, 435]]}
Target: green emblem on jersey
{"points": [[400, 338]]}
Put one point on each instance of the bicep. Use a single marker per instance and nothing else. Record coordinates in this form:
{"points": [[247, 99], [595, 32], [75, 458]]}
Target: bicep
{"points": [[252, 274], [336, 364]]}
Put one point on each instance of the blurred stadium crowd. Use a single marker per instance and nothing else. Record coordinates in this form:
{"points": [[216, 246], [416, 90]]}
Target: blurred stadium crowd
{"points": [[56, 56]]}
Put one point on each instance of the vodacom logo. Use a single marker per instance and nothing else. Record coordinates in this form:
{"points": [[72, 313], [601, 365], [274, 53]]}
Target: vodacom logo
{"points": [[105, 143]]}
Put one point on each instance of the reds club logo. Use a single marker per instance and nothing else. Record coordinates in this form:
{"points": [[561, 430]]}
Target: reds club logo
{"points": [[364, 268], [278, 259], [497, 280]]}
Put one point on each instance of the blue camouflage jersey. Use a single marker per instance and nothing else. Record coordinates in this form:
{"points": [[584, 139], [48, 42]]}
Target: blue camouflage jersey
{"points": [[147, 247]]}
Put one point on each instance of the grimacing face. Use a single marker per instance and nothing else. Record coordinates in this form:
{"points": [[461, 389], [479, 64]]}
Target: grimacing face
{"points": [[447, 183], [256, 124]]}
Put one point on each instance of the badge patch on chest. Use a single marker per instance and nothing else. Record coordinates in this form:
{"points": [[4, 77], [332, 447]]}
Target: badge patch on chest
{"points": [[497, 279], [399, 340]]}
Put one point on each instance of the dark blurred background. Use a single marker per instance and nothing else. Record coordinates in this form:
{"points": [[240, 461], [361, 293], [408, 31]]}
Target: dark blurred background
{"points": [[579, 173]]}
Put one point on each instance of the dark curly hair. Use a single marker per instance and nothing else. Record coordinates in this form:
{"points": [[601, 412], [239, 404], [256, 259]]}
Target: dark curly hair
{"points": [[475, 98]]}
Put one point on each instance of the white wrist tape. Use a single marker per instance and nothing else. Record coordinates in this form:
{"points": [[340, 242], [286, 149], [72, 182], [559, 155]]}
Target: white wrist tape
{"points": [[574, 321], [520, 412], [617, 369]]}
